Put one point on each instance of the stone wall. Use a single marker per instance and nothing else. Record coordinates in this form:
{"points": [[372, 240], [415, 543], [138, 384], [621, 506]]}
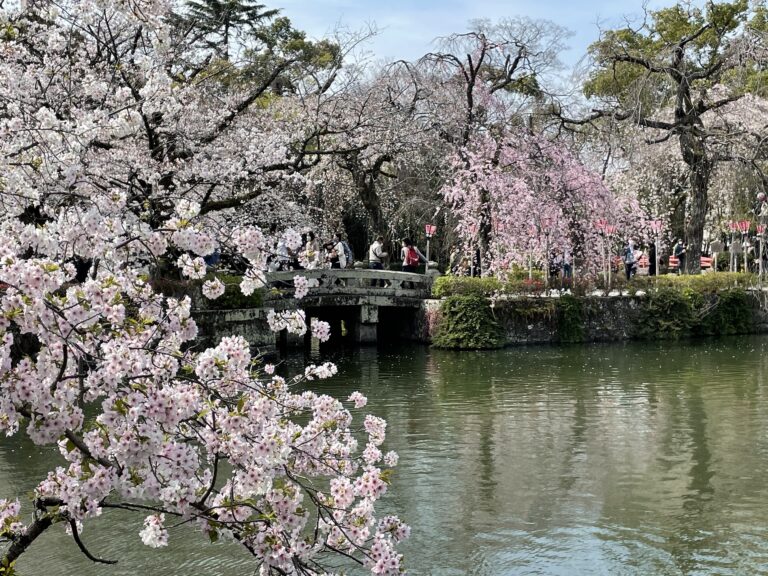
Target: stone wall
{"points": [[536, 320], [250, 323], [527, 321], [524, 320]]}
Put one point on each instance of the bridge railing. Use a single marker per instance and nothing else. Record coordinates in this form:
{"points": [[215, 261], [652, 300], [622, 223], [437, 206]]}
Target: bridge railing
{"points": [[350, 281]]}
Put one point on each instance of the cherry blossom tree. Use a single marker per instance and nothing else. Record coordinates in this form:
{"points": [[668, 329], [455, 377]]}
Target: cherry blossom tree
{"points": [[484, 82], [114, 159], [536, 197], [491, 76]]}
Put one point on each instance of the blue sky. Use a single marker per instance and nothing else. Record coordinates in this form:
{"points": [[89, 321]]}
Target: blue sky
{"points": [[408, 27]]}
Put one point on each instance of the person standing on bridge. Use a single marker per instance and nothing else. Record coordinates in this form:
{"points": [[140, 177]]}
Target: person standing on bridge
{"points": [[411, 256], [340, 250], [312, 251], [376, 257], [331, 255]]}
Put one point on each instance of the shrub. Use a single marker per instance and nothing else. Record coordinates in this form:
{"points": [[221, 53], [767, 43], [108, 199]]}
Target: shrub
{"points": [[519, 274], [666, 313], [487, 286], [445, 286], [675, 312], [524, 286], [728, 312], [703, 283], [468, 323], [570, 319]]}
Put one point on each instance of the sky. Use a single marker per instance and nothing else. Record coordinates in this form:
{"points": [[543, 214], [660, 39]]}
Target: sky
{"points": [[407, 28]]}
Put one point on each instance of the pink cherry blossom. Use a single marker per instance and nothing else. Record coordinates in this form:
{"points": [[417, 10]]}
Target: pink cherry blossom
{"points": [[212, 289]]}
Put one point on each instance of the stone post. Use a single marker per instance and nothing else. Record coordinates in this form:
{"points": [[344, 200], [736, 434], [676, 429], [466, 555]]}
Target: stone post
{"points": [[366, 326]]}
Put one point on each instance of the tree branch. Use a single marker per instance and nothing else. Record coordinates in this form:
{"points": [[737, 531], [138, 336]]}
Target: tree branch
{"points": [[83, 549]]}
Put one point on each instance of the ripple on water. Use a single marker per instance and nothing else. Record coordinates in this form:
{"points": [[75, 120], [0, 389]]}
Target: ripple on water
{"points": [[626, 459]]}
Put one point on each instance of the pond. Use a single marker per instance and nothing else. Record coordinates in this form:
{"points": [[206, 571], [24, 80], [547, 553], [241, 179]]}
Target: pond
{"points": [[600, 459]]}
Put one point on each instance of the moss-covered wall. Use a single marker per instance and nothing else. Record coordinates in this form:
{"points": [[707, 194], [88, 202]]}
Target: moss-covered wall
{"points": [[666, 313]]}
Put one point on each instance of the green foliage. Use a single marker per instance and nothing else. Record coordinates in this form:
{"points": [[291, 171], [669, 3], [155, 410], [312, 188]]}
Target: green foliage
{"points": [[666, 313], [7, 568], [632, 63], [265, 43], [527, 310], [681, 306], [611, 78], [233, 298], [519, 274], [516, 283], [570, 319], [468, 323], [219, 20], [7, 32], [445, 286], [730, 313], [702, 283], [673, 312]]}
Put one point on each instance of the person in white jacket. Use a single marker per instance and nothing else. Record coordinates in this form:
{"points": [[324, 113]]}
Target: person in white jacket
{"points": [[339, 248], [376, 257]]}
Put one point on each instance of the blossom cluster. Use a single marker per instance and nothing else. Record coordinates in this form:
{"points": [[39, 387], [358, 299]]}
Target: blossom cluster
{"points": [[294, 321], [301, 287], [320, 329], [212, 289]]}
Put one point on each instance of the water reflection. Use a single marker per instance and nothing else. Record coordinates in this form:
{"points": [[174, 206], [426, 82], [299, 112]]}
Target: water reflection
{"points": [[625, 459], [620, 459]]}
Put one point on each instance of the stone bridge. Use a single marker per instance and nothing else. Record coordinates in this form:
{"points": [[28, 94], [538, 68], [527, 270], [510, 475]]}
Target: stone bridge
{"points": [[361, 306], [357, 303]]}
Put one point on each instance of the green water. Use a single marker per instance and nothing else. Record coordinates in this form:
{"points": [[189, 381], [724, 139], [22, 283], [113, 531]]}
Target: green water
{"points": [[617, 459]]}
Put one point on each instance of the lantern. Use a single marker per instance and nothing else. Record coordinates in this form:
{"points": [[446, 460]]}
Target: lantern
{"points": [[744, 226]]}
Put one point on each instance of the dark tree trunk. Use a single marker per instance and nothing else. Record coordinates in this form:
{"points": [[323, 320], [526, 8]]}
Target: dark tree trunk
{"points": [[484, 234], [695, 156], [366, 190], [694, 231], [365, 185]]}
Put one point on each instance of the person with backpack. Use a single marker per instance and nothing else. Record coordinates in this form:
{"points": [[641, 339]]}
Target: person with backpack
{"points": [[629, 259], [332, 257], [343, 245], [411, 256]]}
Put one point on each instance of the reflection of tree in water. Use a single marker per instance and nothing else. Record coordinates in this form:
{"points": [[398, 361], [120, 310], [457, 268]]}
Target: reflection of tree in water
{"points": [[635, 453], [695, 534], [487, 461]]}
